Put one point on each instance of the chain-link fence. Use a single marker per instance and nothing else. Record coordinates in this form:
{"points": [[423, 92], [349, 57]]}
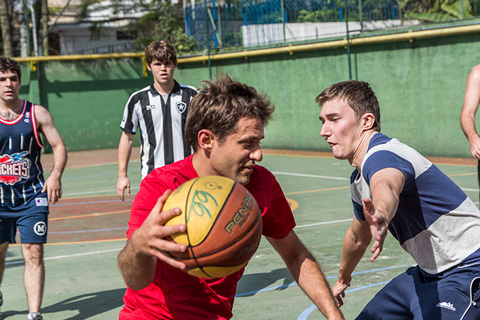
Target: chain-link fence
{"points": [[232, 24]]}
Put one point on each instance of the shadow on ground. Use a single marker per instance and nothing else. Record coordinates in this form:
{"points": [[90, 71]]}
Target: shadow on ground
{"points": [[87, 305], [250, 284]]}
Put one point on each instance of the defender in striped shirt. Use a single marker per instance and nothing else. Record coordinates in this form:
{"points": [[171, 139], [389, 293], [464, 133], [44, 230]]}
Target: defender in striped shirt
{"points": [[159, 111], [394, 188]]}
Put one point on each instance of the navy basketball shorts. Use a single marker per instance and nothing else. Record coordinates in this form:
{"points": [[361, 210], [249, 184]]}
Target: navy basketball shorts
{"points": [[415, 294], [33, 228]]}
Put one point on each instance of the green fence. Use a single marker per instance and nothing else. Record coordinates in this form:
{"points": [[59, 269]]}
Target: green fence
{"points": [[419, 77]]}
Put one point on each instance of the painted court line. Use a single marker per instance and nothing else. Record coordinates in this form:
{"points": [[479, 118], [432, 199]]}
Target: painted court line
{"points": [[304, 315], [83, 231], [331, 277], [88, 202], [310, 176], [66, 256], [95, 214], [322, 223]]}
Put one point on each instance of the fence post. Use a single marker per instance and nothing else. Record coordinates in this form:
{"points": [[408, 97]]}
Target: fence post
{"points": [[208, 39], [282, 9], [461, 9], [360, 13], [348, 41]]}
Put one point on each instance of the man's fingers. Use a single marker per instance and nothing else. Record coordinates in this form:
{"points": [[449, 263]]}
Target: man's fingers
{"points": [[376, 249], [339, 301], [169, 260]]}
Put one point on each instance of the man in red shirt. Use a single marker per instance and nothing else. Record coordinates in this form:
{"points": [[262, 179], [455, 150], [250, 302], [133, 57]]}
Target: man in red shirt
{"points": [[224, 126]]}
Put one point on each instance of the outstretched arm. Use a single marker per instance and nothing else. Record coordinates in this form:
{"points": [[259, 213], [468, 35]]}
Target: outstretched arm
{"points": [[470, 107], [385, 187], [53, 184], [307, 273]]}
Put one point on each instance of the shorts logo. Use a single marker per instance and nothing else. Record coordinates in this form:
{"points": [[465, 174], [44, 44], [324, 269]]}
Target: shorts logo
{"points": [[181, 107], [41, 202], [446, 305], [14, 167], [40, 228]]}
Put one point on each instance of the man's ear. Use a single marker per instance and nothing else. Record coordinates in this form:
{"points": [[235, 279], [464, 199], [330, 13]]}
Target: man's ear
{"points": [[368, 121], [205, 139]]}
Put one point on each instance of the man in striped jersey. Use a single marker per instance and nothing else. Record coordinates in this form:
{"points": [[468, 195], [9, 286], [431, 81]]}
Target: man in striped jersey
{"points": [[395, 188], [159, 111], [24, 194]]}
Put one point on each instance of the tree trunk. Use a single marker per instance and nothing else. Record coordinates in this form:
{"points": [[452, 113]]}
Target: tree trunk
{"points": [[5, 25], [23, 30], [44, 26]]}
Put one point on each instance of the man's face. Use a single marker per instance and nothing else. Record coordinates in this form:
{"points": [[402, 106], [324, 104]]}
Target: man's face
{"points": [[341, 128], [162, 71], [236, 155], [9, 85]]}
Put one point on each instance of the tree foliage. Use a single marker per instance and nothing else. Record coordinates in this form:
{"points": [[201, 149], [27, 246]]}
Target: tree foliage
{"points": [[161, 20], [165, 23], [439, 10]]}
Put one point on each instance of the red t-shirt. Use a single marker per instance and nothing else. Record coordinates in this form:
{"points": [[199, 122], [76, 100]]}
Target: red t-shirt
{"points": [[174, 294]]}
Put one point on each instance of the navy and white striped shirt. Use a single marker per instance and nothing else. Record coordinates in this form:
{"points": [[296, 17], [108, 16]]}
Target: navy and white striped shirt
{"points": [[161, 124], [436, 222]]}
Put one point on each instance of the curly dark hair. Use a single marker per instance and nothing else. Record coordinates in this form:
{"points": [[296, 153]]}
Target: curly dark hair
{"points": [[10, 64]]}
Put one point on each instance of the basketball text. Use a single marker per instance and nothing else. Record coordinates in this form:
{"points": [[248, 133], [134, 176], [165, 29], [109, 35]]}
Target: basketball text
{"points": [[241, 215]]}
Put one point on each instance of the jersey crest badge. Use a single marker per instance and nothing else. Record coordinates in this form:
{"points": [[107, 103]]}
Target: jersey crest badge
{"points": [[181, 107], [27, 117], [150, 107], [14, 167]]}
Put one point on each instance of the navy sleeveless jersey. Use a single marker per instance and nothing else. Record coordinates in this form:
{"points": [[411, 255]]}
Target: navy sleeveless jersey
{"points": [[21, 173]]}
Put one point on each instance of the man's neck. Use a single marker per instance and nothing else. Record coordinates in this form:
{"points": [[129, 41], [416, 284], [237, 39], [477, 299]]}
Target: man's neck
{"points": [[10, 110], [164, 88], [201, 162], [361, 150]]}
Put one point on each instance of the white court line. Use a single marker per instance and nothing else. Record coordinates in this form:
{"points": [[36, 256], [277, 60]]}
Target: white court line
{"points": [[310, 176], [112, 191], [66, 256], [322, 223]]}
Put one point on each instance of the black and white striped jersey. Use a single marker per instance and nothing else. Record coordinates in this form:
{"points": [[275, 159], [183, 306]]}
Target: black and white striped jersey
{"points": [[161, 124]]}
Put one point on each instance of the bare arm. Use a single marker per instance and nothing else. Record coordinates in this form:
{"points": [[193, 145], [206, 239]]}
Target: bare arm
{"points": [[124, 153], [385, 187], [137, 261], [53, 184], [355, 243], [470, 107], [307, 273]]}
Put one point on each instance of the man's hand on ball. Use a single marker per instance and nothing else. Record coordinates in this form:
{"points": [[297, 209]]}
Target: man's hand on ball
{"points": [[150, 237]]}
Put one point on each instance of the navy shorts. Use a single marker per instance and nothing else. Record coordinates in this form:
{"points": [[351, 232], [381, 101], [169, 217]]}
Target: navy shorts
{"points": [[415, 294], [33, 228]]}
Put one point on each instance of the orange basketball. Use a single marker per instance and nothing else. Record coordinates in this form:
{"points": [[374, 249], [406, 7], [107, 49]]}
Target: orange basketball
{"points": [[223, 225]]}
